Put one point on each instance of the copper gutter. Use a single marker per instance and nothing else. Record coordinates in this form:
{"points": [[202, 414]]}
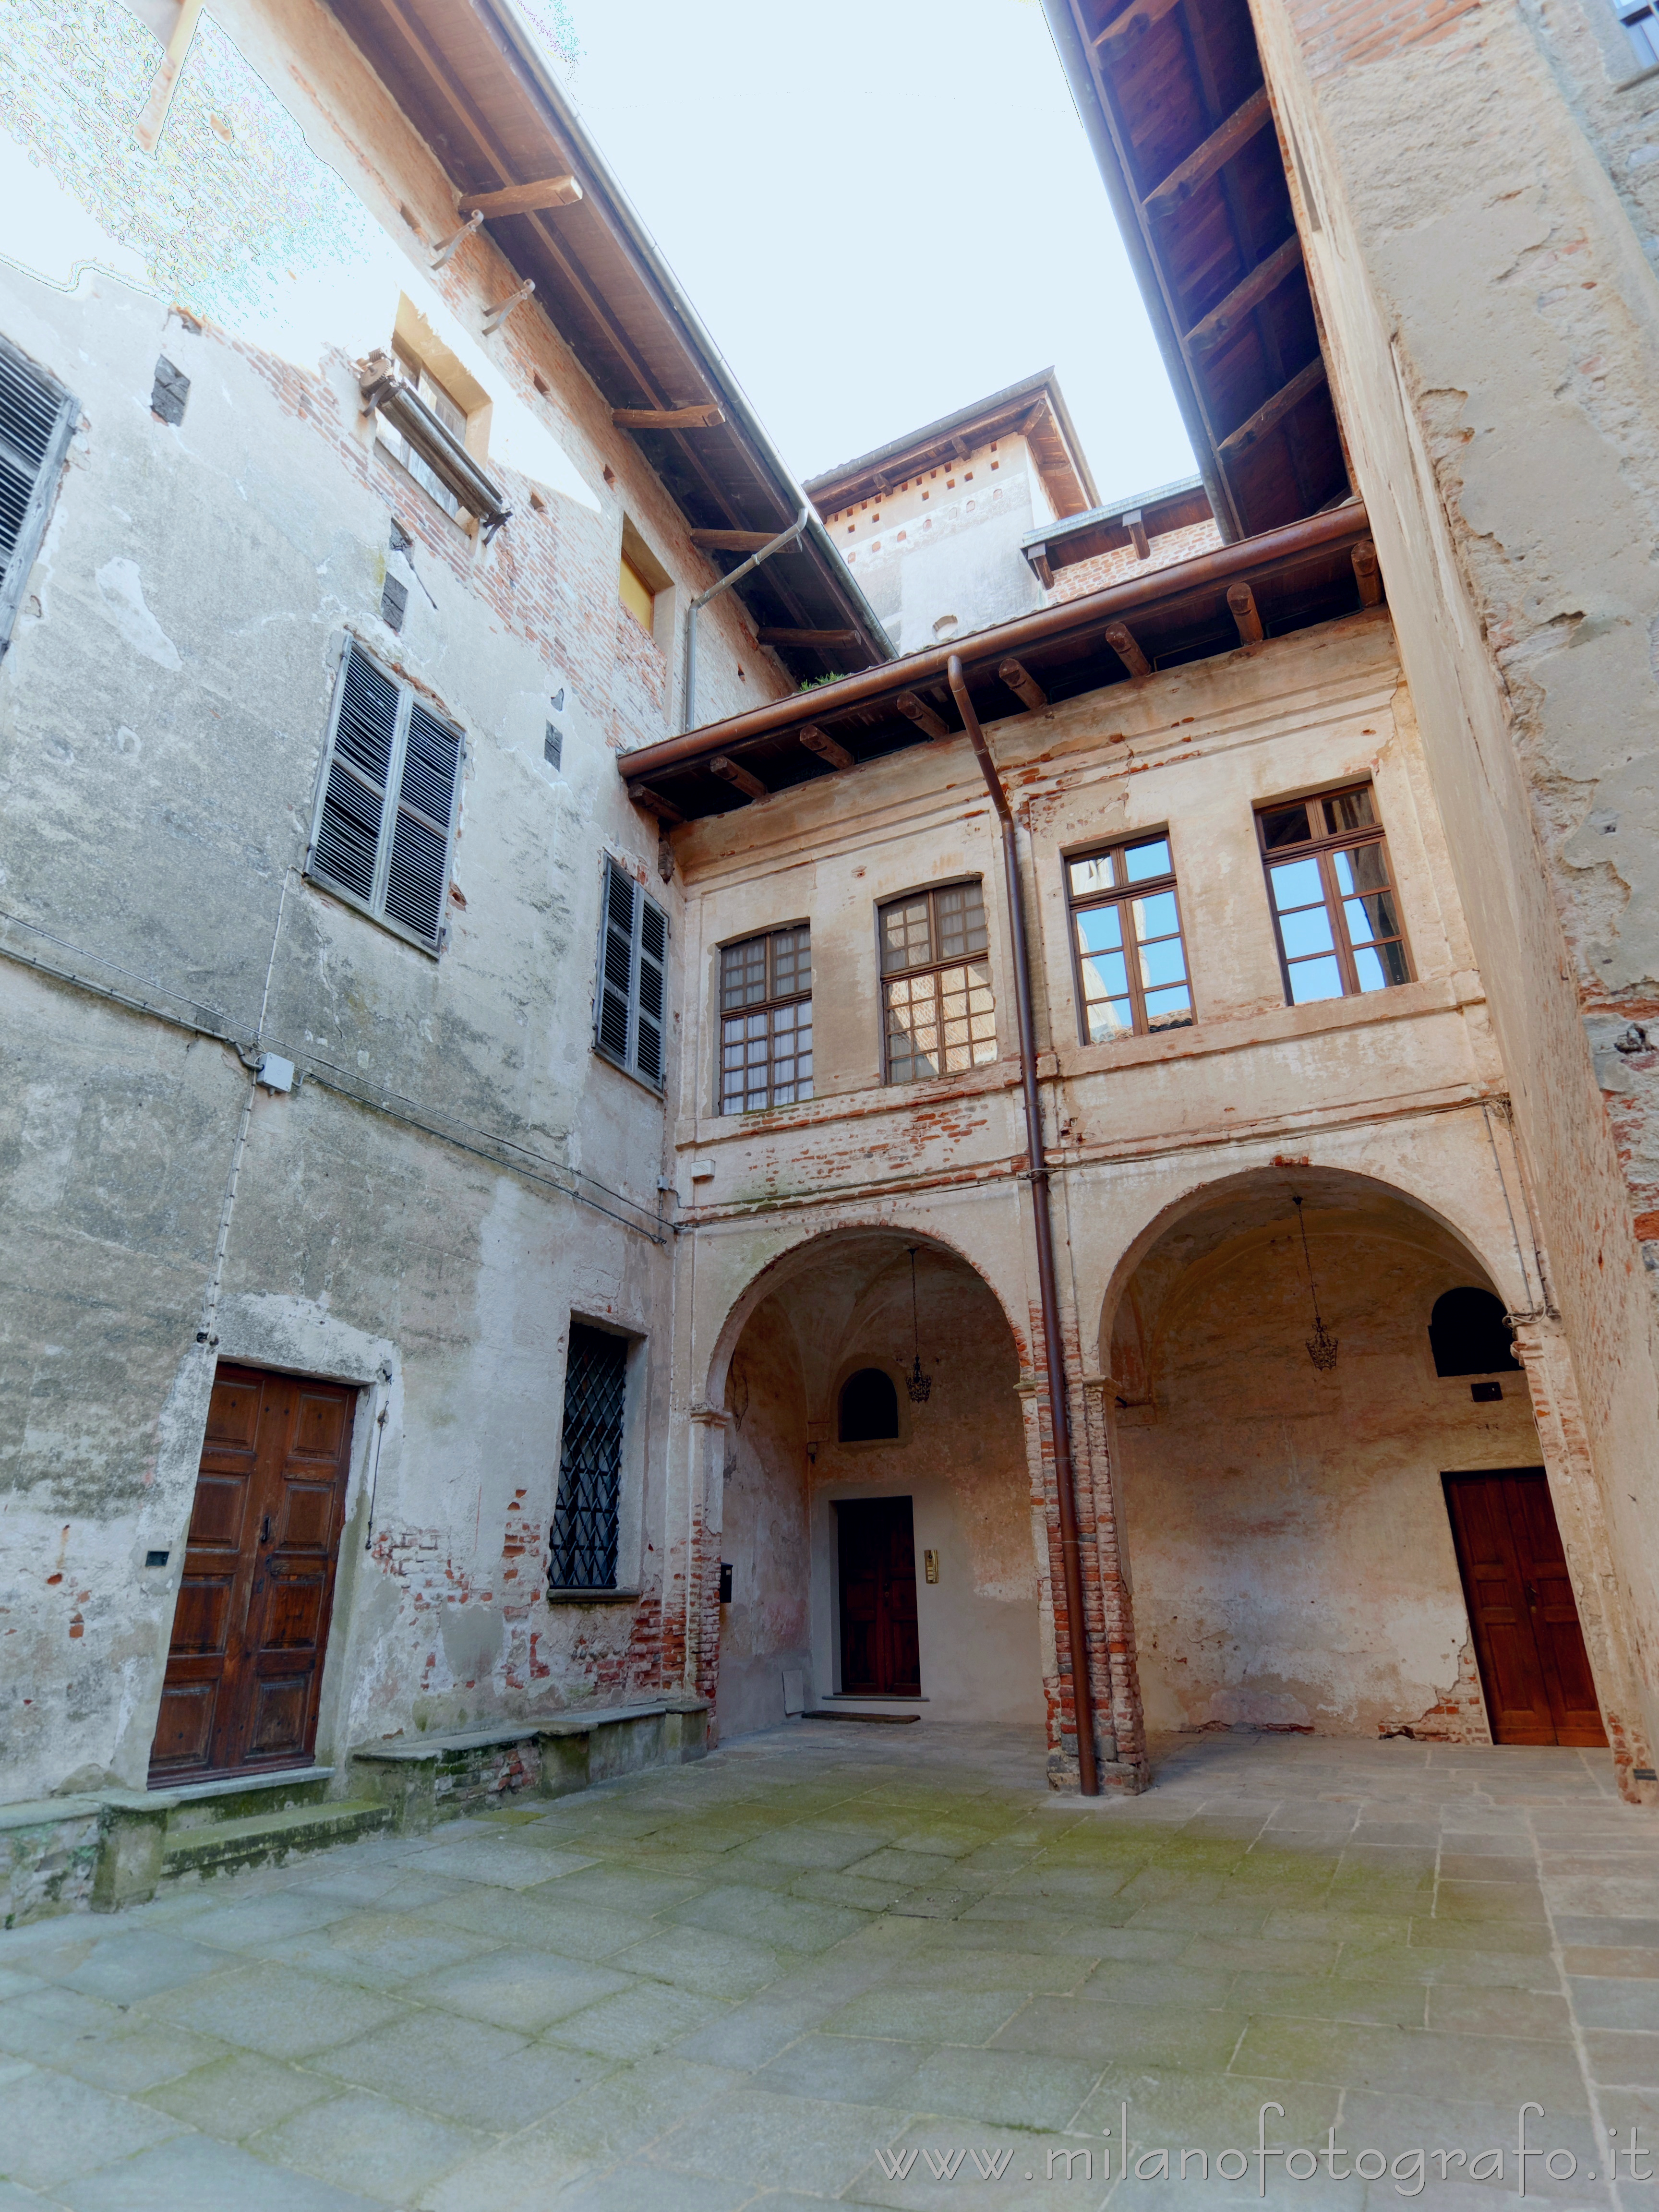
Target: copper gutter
{"points": [[1248, 559], [1053, 1357]]}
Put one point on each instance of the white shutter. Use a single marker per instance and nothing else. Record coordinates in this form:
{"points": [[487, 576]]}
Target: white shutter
{"points": [[36, 416]]}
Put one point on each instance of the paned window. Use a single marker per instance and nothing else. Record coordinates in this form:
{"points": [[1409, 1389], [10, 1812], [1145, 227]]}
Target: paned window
{"points": [[1334, 900], [1641, 29], [385, 824], [631, 1005], [636, 595], [36, 419], [941, 1015], [766, 1021], [1131, 961], [448, 410], [583, 1550]]}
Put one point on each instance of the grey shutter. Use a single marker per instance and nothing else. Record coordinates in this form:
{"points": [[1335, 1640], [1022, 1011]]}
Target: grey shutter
{"points": [[653, 990], [345, 849], [35, 417], [418, 874], [615, 963]]}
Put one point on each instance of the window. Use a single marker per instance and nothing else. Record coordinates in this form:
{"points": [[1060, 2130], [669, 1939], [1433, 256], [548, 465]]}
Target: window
{"points": [[868, 1413], [641, 582], [1334, 900], [1641, 29], [632, 1006], [583, 1548], [1131, 962], [940, 1016], [1468, 1335], [385, 824], [36, 415], [766, 1021], [448, 410], [638, 597]]}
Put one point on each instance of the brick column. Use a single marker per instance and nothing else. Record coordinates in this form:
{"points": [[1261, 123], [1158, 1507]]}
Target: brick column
{"points": [[698, 1541], [1540, 1346]]}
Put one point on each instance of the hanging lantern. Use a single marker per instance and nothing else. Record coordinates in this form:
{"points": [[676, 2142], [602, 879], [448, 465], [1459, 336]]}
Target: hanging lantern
{"points": [[919, 1385], [1322, 1346]]}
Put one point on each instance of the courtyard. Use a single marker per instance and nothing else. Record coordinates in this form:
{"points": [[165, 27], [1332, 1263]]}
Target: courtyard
{"points": [[880, 1967]]}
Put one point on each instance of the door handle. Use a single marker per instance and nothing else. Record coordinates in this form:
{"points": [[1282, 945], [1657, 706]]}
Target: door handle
{"points": [[265, 1530]]}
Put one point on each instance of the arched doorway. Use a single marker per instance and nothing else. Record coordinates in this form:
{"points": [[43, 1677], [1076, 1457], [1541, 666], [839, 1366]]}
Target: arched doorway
{"points": [[880, 1535], [1307, 1491]]}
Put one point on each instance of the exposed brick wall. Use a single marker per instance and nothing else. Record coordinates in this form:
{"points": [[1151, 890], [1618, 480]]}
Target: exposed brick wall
{"points": [[1094, 576], [1342, 34]]}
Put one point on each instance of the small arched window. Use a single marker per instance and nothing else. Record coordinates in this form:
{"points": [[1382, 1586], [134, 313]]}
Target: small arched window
{"points": [[869, 1408], [1468, 1335]]}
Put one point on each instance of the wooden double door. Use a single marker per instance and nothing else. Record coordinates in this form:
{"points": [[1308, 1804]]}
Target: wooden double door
{"points": [[879, 1654], [244, 1665], [1533, 1668]]}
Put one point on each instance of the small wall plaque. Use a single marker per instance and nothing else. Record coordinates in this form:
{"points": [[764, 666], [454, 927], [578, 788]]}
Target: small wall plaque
{"points": [[930, 1565]]}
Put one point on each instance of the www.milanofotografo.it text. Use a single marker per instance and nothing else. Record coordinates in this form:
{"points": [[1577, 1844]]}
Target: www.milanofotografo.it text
{"points": [[1530, 2157]]}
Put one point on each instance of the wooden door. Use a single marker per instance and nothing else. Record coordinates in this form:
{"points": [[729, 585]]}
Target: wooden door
{"points": [[244, 1667], [1534, 1667], [879, 1654]]}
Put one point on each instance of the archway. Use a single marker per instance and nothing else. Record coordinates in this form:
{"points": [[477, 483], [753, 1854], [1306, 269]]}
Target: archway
{"points": [[838, 1529], [1281, 1436]]}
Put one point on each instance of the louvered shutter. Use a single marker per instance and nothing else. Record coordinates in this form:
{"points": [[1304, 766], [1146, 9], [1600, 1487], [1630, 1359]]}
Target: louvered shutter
{"points": [[418, 873], [653, 990], [345, 850], [35, 417], [615, 963]]}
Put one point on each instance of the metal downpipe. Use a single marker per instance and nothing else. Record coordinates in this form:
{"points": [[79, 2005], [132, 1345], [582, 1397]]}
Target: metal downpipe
{"points": [[1059, 1413]]}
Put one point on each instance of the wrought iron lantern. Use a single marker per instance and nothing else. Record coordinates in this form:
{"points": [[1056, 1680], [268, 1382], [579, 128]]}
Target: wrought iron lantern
{"points": [[1322, 1346], [919, 1385]]}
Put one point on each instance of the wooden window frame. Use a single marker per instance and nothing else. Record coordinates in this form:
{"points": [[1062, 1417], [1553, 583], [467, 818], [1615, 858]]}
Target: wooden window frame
{"points": [[1324, 849], [1088, 902], [773, 1002], [392, 804], [934, 967]]}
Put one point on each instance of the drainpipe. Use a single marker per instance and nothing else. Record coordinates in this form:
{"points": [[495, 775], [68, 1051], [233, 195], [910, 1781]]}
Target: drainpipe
{"points": [[784, 538], [1059, 1413]]}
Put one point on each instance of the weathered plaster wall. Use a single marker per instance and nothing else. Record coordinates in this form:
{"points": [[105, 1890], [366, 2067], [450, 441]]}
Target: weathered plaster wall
{"points": [[765, 1629], [1493, 317], [1293, 1562]]}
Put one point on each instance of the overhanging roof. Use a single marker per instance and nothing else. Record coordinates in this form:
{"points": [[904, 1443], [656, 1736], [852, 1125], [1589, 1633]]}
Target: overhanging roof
{"points": [[1290, 578], [1034, 408], [468, 75], [1106, 529], [1172, 96]]}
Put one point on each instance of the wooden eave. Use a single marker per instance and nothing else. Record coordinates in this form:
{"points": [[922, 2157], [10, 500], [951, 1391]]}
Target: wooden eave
{"points": [[1299, 576], [1104, 530], [1034, 409], [1174, 94], [467, 77]]}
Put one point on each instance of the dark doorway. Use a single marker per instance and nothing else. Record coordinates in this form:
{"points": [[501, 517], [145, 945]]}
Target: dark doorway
{"points": [[1534, 1667], [879, 1656], [869, 1408], [244, 1667]]}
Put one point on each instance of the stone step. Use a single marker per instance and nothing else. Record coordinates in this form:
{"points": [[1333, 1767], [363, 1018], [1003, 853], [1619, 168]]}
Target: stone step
{"points": [[243, 1798], [270, 1838]]}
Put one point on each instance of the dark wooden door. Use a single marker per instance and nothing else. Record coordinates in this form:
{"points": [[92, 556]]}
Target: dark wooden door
{"points": [[244, 1667], [879, 1655], [1534, 1667]]}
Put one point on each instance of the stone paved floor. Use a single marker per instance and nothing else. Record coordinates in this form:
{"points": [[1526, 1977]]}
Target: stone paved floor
{"points": [[831, 1951]]}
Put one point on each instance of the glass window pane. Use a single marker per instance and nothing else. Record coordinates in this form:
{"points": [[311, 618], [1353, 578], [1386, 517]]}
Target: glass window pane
{"points": [[743, 973], [1284, 825], [1169, 1010], [1351, 809], [1297, 884], [1109, 1020], [1142, 862], [1307, 931], [1099, 928], [1104, 976], [1381, 966], [1155, 916], [1361, 868], [906, 941], [1163, 963], [1097, 874], [1314, 979], [1368, 919]]}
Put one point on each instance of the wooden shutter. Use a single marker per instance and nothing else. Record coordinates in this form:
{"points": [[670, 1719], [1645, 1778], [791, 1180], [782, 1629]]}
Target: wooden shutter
{"points": [[631, 1004], [615, 965], [652, 994], [390, 859], [35, 420]]}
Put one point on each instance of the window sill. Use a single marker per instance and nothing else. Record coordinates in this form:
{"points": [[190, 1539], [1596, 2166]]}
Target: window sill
{"points": [[381, 921], [656, 1090], [592, 1596]]}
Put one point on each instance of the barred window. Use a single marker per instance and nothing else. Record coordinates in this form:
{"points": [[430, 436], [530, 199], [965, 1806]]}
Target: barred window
{"points": [[940, 1016], [583, 1549], [1129, 957], [766, 1021], [1334, 906]]}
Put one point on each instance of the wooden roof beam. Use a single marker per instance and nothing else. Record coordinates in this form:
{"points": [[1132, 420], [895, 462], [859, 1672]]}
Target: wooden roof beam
{"points": [[669, 815], [821, 742], [1135, 21], [705, 415], [1273, 411], [918, 711], [1121, 639], [1135, 523], [731, 541], [1367, 574], [1249, 293], [740, 778], [1024, 685], [807, 636], [524, 199], [1227, 139], [1241, 599]]}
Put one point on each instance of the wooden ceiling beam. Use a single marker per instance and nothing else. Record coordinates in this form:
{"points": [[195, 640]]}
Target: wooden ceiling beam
{"points": [[1024, 685], [1273, 411], [1367, 574], [1134, 23], [668, 815], [919, 712], [821, 742], [1121, 639], [524, 199], [1249, 293], [705, 415], [1241, 599], [1226, 140], [807, 636], [731, 541], [739, 777]]}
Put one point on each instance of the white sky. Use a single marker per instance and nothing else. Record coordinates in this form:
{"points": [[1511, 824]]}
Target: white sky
{"points": [[883, 210]]}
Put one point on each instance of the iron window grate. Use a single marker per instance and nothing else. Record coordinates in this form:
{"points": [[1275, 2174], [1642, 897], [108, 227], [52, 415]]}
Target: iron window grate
{"points": [[583, 1545]]}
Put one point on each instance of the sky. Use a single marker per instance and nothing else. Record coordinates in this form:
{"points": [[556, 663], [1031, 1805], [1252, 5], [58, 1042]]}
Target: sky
{"points": [[882, 210]]}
